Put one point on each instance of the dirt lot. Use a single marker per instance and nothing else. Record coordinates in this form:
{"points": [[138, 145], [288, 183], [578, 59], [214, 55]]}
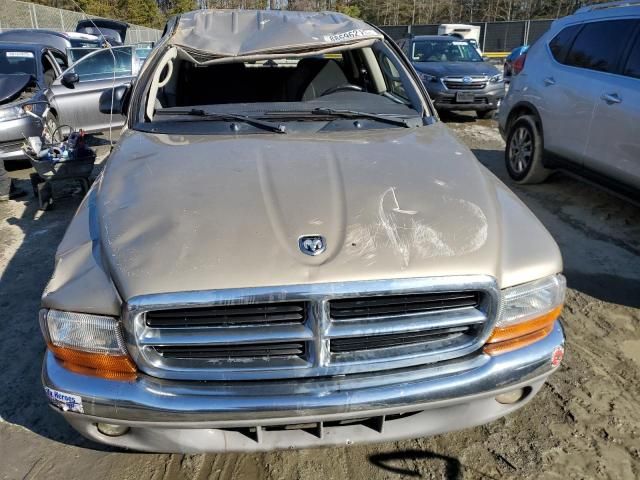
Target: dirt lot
{"points": [[584, 424]]}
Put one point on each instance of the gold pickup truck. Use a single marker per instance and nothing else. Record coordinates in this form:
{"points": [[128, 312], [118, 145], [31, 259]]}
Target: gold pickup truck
{"points": [[288, 249]]}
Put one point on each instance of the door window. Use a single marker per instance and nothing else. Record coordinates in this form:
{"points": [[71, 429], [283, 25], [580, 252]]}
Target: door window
{"points": [[599, 44], [562, 42], [392, 77], [102, 66], [632, 68]]}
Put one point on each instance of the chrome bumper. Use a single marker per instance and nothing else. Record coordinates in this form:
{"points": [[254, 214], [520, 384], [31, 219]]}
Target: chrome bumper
{"points": [[185, 416]]}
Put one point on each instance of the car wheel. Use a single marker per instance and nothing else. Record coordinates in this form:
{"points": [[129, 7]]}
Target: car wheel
{"points": [[523, 153], [486, 114], [52, 128]]}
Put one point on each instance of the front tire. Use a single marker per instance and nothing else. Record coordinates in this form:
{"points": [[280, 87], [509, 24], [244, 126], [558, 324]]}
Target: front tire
{"points": [[523, 152], [52, 128]]}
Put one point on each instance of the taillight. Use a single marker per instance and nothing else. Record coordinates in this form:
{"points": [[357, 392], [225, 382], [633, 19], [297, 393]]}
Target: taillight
{"points": [[518, 64]]}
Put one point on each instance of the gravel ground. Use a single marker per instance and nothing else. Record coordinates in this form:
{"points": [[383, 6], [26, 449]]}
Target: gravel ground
{"points": [[585, 423]]}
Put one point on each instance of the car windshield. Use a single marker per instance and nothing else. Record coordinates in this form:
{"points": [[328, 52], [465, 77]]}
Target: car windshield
{"points": [[444, 51], [17, 61], [361, 83]]}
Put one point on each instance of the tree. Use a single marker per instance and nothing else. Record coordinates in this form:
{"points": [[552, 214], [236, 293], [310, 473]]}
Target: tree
{"points": [[140, 12], [181, 6]]}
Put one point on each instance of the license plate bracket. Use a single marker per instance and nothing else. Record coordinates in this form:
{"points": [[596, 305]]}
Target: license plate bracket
{"points": [[464, 97]]}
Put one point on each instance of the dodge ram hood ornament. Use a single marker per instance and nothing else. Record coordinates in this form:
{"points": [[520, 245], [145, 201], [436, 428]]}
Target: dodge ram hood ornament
{"points": [[312, 244]]}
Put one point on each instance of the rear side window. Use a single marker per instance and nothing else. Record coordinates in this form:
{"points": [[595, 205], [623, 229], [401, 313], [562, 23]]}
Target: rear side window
{"points": [[632, 68], [561, 43], [599, 44]]}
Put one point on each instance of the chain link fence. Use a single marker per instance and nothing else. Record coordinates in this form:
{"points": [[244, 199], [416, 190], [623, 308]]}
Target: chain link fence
{"points": [[495, 37], [16, 14]]}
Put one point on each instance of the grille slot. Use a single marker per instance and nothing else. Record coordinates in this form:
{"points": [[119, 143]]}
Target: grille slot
{"points": [[387, 306], [374, 342], [269, 350], [228, 315]]}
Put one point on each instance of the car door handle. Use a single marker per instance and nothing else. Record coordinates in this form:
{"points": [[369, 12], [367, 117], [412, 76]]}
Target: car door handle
{"points": [[549, 81], [611, 98]]}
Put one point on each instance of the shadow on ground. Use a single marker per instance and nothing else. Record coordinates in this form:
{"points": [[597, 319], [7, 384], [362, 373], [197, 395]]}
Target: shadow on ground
{"points": [[22, 399], [396, 462]]}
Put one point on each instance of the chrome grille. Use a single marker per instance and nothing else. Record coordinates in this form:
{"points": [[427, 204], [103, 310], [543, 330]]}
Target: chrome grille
{"points": [[310, 330], [458, 83]]}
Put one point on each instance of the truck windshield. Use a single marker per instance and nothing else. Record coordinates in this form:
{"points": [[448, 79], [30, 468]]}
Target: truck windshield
{"points": [[17, 61], [444, 51]]}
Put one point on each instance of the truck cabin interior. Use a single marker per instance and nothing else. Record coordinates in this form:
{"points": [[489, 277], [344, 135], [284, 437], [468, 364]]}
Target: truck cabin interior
{"points": [[372, 69]]}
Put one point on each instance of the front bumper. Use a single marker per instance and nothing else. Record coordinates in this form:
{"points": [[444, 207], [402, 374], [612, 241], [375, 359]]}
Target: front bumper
{"points": [[488, 98], [174, 416], [13, 133]]}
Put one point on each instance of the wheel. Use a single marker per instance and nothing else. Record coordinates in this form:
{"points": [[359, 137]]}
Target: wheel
{"points": [[523, 153], [52, 127], [486, 114]]}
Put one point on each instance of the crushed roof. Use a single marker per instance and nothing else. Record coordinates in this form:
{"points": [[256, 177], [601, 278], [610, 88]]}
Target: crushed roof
{"points": [[232, 33]]}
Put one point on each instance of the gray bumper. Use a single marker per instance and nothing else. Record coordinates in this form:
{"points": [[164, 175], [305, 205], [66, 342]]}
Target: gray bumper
{"points": [[13, 134], [485, 99], [173, 416]]}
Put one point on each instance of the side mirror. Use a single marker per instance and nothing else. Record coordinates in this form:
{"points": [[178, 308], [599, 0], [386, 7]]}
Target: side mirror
{"points": [[69, 79], [486, 59], [119, 96]]}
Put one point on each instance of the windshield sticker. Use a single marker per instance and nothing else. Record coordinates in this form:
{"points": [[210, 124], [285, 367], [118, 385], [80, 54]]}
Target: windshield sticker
{"points": [[20, 54], [460, 43], [350, 35], [65, 401]]}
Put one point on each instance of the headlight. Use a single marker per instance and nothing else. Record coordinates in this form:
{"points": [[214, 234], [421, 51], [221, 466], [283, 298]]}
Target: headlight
{"points": [[425, 77], [496, 78], [11, 113], [528, 314], [90, 344]]}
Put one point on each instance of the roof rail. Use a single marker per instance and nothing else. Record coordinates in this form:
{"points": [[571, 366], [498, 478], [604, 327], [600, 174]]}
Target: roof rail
{"points": [[604, 6]]}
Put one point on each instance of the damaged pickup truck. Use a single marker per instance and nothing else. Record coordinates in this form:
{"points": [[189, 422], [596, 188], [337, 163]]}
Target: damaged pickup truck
{"points": [[288, 249]]}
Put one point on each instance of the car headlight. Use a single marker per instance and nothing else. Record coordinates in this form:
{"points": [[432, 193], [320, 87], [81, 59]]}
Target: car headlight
{"points": [[11, 113], [496, 78], [91, 344], [425, 77], [528, 314]]}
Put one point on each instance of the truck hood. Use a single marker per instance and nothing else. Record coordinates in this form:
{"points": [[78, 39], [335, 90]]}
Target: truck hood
{"points": [[180, 213], [11, 86], [443, 69]]}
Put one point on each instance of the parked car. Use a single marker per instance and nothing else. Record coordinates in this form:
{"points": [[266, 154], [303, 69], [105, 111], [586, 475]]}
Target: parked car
{"points": [[61, 41], [288, 249], [74, 95], [454, 74], [514, 62], [112, 31], [26, 70], [576, 103]]}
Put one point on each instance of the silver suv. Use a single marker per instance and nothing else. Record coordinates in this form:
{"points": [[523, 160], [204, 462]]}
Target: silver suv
{"points": [[576, 104]]}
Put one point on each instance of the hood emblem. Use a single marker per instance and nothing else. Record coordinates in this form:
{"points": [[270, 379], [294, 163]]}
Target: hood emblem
{"points": [[466, 79], [312, 244]]}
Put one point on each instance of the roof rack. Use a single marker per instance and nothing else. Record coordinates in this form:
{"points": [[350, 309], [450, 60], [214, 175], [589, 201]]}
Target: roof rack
{"points": [[604, 6]]}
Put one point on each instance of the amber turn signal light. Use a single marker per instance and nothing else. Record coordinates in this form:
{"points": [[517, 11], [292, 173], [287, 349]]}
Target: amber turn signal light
{"points": [[96, 361], [512, 337]]}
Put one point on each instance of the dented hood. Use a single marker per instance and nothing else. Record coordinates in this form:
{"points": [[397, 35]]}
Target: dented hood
{"points": [[208, 212]]}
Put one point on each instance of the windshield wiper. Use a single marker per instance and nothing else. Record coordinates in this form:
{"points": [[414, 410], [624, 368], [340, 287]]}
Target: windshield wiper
{"points": [[399, 122], [230, 117]]}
